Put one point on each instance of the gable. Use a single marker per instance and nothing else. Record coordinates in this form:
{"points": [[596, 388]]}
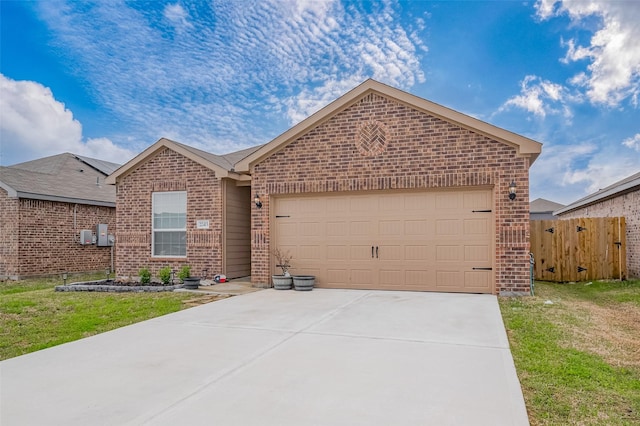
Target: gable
{"points": [[378, 133], [371, 89]]}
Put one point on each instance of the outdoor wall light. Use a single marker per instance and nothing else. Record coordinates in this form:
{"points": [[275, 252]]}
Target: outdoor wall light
{"points": [[512, 191], [258, 201]]}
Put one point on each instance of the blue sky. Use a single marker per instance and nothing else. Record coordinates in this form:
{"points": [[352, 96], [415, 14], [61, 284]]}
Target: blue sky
{"points": [[108, 79]]}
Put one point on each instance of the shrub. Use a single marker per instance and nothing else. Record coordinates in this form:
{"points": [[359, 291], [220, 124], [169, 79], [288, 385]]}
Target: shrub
{"points": [[145, 276], [165, 275], [185, 272]]}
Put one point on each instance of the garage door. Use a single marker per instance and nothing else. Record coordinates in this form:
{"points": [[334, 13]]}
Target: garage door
{"points": [[425, 241]]}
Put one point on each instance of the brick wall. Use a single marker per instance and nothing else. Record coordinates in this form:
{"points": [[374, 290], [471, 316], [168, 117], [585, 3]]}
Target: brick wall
{"points": [[168, 171], [627, 205], [9, 265], [417, 151], [42, 237]]}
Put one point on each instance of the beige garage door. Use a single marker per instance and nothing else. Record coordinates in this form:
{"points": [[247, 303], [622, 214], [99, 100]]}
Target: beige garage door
{"points": [[426, 241]]}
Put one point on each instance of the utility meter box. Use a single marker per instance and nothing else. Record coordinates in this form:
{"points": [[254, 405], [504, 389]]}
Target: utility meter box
{"points": [[102, 236], [86, 237]]}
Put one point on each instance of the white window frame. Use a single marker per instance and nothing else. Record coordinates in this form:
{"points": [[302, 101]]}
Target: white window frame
{"points": [[154, 230]]}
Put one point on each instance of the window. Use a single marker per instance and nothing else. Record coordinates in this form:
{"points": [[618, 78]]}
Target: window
{"points": [[169, 237]]}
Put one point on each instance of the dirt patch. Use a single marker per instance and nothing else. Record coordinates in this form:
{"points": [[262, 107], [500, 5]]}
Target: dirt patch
{"points": [[201, 300], [609, 332]]}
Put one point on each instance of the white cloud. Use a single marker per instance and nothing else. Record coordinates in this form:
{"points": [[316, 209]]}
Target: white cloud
{"points": [[613, 73], [238, 64], [633, 142], [540, 97], [34, 124], [569, 172], [177, 15]]}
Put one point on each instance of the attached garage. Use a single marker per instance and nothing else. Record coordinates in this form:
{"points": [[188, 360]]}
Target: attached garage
{"points": [[384, 190], [439, 240]]}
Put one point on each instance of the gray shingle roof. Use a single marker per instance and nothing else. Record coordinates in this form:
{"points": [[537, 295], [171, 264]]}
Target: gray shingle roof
{"points": [[64, 177], [226, 161], [540, 205], [625, 185]]}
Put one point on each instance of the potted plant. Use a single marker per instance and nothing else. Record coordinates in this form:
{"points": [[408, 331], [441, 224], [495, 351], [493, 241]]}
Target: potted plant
{"points": [[304, 282], [284, 281], [185, 276]]}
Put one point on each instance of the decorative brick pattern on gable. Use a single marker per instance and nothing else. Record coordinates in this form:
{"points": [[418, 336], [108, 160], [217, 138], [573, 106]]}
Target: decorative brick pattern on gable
{"points": [[627, 205], [420, 152], [169, 171]]}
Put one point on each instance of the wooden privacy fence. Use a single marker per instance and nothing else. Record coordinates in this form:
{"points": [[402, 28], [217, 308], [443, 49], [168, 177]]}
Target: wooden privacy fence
{"points": [[579, 249]]}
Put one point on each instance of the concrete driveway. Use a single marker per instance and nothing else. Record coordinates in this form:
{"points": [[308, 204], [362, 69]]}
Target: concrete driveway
{"points": [[326, 357]]}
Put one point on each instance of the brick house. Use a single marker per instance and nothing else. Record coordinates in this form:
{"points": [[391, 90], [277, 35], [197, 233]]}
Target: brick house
{"points": [[44, 204], [178, 205], [620, 199], [380, 189]]}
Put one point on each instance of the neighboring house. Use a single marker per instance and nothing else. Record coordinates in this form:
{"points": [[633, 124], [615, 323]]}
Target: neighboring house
{"points": [[379, 190], [44, 204], [620, 199], [541, 209]]}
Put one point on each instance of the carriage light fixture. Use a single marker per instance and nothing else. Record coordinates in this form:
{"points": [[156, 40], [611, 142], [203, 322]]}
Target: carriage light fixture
{"points": [[258, 201], [512, 191]]}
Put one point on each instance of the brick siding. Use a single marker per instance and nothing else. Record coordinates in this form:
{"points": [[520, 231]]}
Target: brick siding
{"points": [[627, 205], [42, 237], [420, 151], [168, 171]]}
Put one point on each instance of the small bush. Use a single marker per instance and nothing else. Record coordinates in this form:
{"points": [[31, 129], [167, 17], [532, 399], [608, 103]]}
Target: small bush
{"points": [[145, 275], [185, 272], [165, 275]]}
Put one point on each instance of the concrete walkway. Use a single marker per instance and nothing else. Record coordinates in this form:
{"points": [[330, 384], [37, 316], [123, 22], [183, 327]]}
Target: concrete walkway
{"points": [[326, 357]]}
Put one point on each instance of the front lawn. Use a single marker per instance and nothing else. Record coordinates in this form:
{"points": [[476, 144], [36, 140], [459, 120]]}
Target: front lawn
{"points": [[577, 352], [33, 316]]}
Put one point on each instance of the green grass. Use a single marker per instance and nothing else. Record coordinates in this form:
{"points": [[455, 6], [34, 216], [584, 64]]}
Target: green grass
{"points": [[33, 316], [578, 357]]}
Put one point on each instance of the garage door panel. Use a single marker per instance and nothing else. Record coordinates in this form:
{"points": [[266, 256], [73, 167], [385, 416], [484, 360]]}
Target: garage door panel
{"points": [[363, 204], [361, 228], [476, 200], [417, 228], [449, 279], [390, 277], [362, 277], [427, 240], [311, 206], [338, 277], [448, 227], [338, 228], [476, 279], [312, 229], [416, 252], [478, 226], [360, 252], [448, 253], [448, 201], [390, 228], [480, 253], [311, 252], [337, 252]]}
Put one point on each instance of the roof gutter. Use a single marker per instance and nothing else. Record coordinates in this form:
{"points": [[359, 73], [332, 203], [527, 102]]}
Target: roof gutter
{"points": [[43, 197], [601, 196]]}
